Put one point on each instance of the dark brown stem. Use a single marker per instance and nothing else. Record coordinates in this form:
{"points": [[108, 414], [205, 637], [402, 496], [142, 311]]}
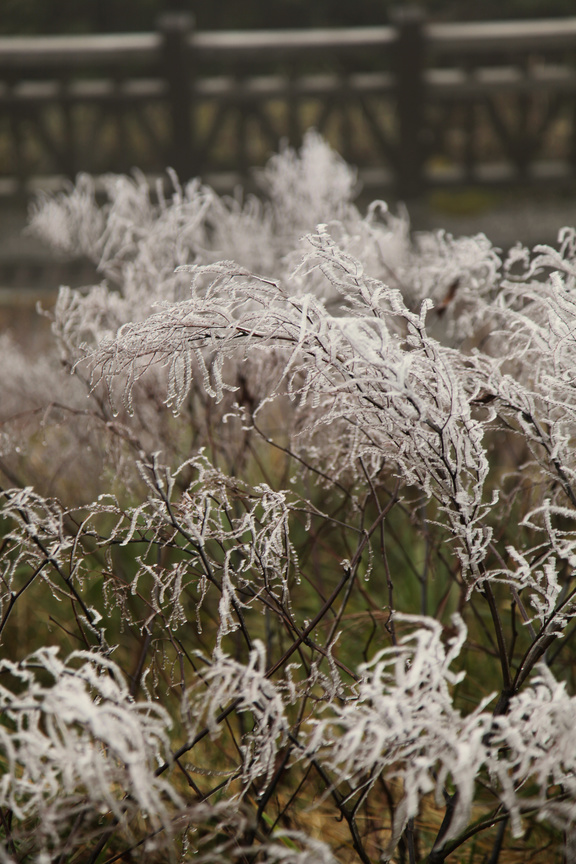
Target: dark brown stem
{"points": [[507, 686]]}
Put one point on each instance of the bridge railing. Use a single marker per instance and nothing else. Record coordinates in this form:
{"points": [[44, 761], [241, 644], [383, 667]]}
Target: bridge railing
{"points": [[413, 104]]}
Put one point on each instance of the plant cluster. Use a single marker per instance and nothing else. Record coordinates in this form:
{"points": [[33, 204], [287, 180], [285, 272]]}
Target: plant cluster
{"points": [[288, 535]]}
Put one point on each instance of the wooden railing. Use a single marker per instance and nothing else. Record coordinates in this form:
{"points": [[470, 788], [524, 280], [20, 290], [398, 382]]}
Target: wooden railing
{"points": [[412, 104]]}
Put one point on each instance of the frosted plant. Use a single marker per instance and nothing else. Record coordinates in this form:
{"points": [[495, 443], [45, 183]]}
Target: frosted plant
{"points": [[402, 724], [78, 749], [38, 545], [40, 400], [321, 511], [236, 539], [390, 390], [539, 389], [250, 689], [304, 187], [71, 223], [536, 752], [281, 850], [138, 237]]}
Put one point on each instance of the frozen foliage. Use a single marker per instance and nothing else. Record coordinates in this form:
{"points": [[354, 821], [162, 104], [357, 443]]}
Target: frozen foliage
{"points": [[403, 724], [382, 386], [240, 553], [250, 690], [315, 553], [540, 751], [78, 747], [305, 187]]}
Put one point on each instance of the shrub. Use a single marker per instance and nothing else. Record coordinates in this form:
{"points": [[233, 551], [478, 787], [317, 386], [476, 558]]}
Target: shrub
{"points": [[304, 528]]}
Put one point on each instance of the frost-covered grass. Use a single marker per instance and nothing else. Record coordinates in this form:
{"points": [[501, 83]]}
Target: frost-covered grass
{"points": [[288, 548]]}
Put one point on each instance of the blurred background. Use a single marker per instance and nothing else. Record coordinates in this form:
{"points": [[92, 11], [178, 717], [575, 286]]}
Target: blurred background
{"points": [[95, 16], [463, 109]]}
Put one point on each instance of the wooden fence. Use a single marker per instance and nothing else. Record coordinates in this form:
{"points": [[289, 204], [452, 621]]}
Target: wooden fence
{"points": [[412, 105]]}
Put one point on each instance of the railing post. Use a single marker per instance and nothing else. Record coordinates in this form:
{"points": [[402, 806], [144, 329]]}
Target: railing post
{"points": [[17, 137], [176, 28], [409, 65]]}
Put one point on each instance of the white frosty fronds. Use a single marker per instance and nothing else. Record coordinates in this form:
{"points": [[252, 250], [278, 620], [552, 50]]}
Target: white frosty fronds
{"points": [[402, 724], [311, 482], [76, 748], [248, 687]]}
